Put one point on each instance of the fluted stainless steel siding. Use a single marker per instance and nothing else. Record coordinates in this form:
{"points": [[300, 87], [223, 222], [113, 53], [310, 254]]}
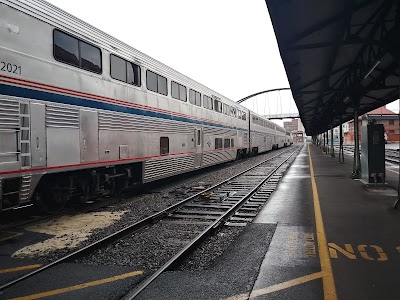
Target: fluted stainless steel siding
{"points": [[62, 116], [164, 167], [212, 158]]}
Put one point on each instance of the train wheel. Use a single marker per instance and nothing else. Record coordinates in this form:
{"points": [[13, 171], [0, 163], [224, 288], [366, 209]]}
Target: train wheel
{"points": [[51, 200]]}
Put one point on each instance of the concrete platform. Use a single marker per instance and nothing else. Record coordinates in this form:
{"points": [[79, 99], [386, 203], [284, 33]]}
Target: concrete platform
{"points": [[334, 239]]}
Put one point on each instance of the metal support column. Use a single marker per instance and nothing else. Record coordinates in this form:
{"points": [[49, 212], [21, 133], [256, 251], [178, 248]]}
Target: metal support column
{"points": [[332, 149], [341, 152], [323, 149], [326, 143], [356, 161]]}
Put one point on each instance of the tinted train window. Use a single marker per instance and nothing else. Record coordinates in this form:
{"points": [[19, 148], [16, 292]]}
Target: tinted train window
{"points": [[75, 52], [124, 70], [90, 57], [66, 48], [194, 97], [174, 90], [151, 81], [217, 106], [232, 143], [233, 112], [227, 143], [207, 102], [164, 145], [225, 108], [182, 93], [218, 143], [118, 68], [162, 85], [132, 73], [178, 91], [156, 83]]}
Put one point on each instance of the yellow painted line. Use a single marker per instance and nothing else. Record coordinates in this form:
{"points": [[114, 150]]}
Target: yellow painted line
{"points": [[79, 286], [277, 287], [285, 285], [326, 267], [19, 269]]}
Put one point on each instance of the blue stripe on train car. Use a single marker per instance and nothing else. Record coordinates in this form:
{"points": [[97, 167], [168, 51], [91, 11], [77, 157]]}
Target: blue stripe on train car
{"points": [[59, 98]]}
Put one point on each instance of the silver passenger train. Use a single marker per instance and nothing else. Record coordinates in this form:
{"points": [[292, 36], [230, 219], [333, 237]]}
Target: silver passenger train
{"points": [[83, 114]]}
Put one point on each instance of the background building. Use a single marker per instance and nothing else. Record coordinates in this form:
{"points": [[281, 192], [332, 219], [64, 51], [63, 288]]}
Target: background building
{"points": [[382, 115]]}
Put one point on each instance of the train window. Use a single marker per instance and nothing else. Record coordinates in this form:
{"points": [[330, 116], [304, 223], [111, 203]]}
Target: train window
{"points": [[178, 91], [156, 83], [217, 106], [198, 99], [232, 143], [174, 90], [233, 112], [132, 73], [198, 137], [194, 97], [164, 145], [207, 102], [218, 143], [73, 51], [182, 93], [162, 85], [124, 70], [224, 108], [66, 48], [90, 57], [151, 81], [118, 68], [244, 115], [227, 143]]}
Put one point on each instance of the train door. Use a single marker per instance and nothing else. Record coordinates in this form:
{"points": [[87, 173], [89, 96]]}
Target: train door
{"points": [[198, 158], [89, 135], [38, 135]]}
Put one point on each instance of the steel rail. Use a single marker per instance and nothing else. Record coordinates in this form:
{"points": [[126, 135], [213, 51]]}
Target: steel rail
{"points": [[389, 158], [127, 230], [203, 235]]}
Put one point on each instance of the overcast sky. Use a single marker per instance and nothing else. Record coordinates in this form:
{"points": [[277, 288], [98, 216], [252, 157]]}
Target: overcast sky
{"points": [[227, 45]]}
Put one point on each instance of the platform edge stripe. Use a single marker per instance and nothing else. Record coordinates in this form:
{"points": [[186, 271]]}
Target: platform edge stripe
{"points": [[326, 267], [79, 286], [20, 268]]}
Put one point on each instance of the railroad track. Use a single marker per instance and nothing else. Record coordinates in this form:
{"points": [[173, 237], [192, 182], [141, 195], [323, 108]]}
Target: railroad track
{"points": [[232, 202], [27, 215], [390, 154]]}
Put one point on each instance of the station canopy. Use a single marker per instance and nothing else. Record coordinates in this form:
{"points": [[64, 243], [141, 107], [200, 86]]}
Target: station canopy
{"points": [[338, 55]]}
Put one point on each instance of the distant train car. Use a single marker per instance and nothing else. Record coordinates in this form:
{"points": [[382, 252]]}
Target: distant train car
{"points": [[83, 114], [266, 135]]}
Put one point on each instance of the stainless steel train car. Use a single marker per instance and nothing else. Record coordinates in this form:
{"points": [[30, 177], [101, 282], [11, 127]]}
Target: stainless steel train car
{"points": [[83, 114]]}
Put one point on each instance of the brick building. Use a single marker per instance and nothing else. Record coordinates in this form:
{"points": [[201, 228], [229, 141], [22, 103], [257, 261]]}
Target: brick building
{"points": [[298, 136], [382, 115], [292, 125]]}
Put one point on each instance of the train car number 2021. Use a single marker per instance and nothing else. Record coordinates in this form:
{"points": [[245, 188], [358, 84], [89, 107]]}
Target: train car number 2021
{"points": [[10, 68]]}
